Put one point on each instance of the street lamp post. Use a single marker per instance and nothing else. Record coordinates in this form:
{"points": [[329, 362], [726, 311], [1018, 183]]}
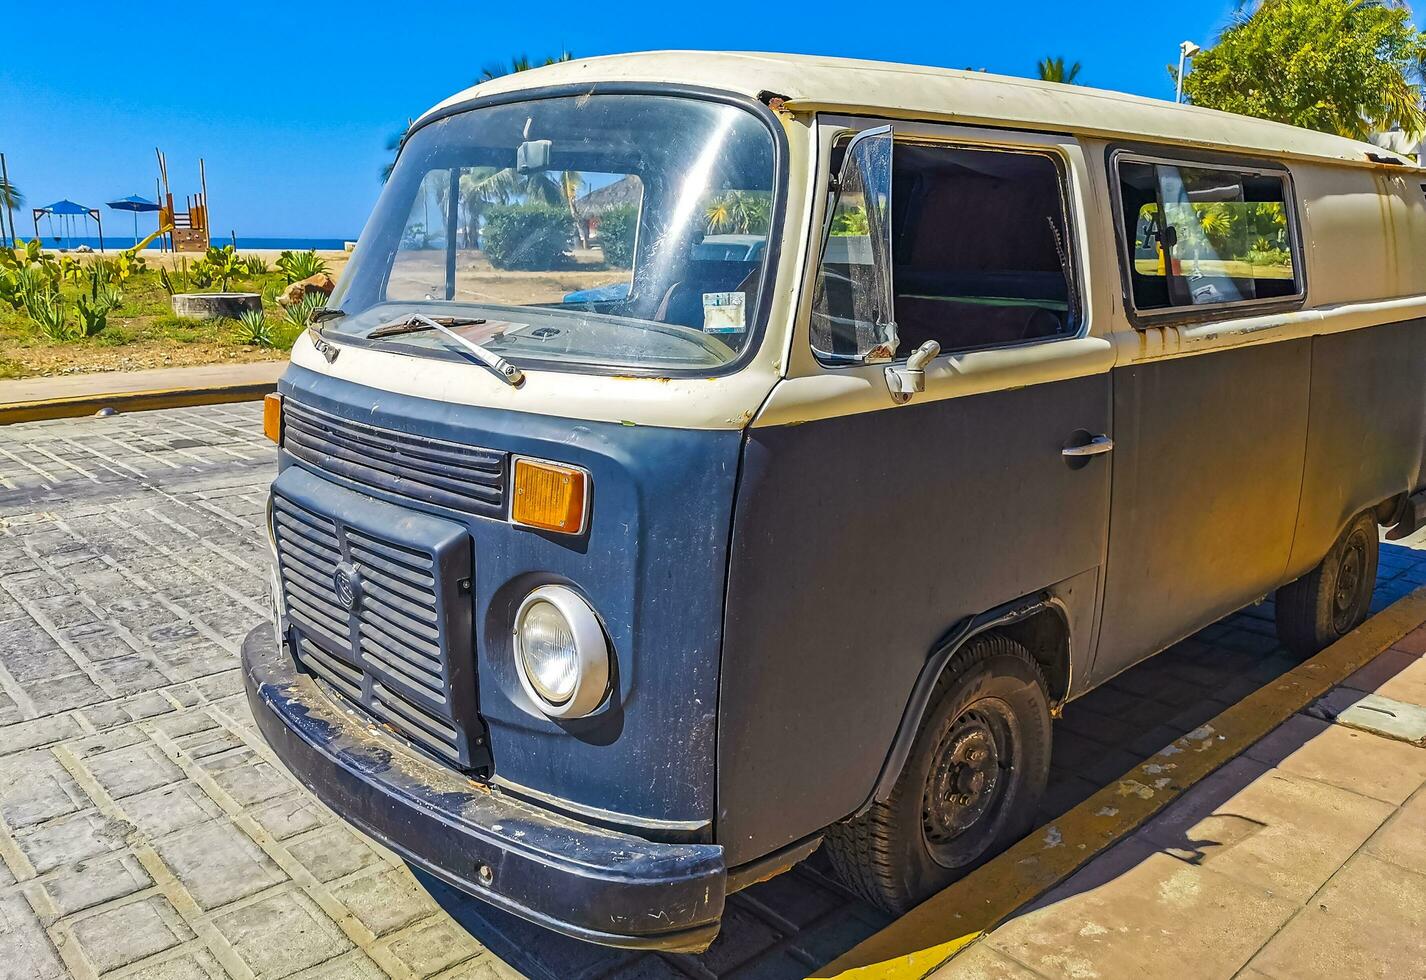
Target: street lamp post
{"points": [[1186, 50]]}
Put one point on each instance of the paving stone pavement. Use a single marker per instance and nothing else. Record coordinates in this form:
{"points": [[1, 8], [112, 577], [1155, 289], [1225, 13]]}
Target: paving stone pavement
{"points": [[1303, 857], [147, 831]]}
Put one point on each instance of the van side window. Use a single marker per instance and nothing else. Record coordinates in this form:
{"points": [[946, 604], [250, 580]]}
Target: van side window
{"points": [[1202, 236], [981, 256]]}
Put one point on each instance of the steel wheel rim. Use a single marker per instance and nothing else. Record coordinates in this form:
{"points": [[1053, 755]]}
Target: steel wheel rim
{"points": [[1351, 570], [971, 772]]}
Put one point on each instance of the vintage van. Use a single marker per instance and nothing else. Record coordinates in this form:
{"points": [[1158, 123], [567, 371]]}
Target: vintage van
{"points": [[621, 563]]}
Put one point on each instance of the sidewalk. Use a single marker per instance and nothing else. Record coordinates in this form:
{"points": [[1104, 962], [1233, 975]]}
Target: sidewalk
{"points": [[69, 396], [1304, 857]]}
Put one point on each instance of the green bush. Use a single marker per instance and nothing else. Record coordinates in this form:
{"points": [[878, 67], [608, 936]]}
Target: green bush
{"points": [[254, 330], [299, 313], [226, 264], [617, 228], [1269, 256], [527, 236], [48, 311], [94, 308], [296, 266]]}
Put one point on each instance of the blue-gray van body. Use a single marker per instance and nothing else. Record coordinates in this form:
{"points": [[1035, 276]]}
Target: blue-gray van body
{"points": [[652, 563]]}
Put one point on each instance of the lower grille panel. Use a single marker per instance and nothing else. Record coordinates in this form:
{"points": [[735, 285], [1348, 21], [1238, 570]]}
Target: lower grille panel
{"points": [[378, 620]]}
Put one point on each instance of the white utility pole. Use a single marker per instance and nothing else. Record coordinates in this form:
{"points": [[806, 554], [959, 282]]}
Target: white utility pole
{"points": [[1186, 50]]}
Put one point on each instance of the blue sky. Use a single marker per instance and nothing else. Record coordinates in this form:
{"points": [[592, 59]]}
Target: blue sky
{"points": [[291, 104]]}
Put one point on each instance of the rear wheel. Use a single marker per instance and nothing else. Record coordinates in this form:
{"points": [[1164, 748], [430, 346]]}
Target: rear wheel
{"points": [[976, 773], [1333, 599]]}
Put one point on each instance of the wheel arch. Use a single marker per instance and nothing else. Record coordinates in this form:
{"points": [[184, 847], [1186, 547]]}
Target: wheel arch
{"points": [[1039, 622]]}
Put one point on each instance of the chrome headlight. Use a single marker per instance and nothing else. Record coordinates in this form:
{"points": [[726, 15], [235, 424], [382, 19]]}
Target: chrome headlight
{"points": [[560, 652]]}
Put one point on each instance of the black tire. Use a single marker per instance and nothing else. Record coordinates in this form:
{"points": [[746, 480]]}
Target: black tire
{"points": [[1333, 599], [991, 699]]}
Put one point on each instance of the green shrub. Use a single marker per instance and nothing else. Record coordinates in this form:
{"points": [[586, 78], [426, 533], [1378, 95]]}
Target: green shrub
{"points": [[114, 336], [48, 311], [177, 280], [1269, 256], [93, 315], [851, 222], [94, 308], [301, 311], [226, 265], [172, 323], [11, 292], [527, 236], [617, 228], [296, 266], [254, 330], [256, 264], [122, 267]]}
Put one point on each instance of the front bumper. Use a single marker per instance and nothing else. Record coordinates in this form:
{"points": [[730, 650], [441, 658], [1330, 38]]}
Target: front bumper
{"points": [[583, 881]]}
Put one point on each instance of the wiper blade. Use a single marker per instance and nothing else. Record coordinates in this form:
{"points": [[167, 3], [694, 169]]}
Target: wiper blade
{"points": [[325, 313], [417, 322], [414, 322]]}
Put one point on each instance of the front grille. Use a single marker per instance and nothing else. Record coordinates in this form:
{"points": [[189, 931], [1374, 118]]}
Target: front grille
{"points": [[446, 474], [310, 555], [387, 648], [402, 714], [398, 629]]}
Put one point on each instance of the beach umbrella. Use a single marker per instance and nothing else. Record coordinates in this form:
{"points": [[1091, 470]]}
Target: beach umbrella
{"points": [[67, 209], [135, 204]]}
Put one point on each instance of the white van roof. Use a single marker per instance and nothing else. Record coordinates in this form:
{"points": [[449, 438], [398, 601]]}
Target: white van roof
{"points": [[810, 82]]}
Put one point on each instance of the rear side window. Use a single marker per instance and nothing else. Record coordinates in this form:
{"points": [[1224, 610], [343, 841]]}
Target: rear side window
{"points": [[980, 251], [1206, 236]]}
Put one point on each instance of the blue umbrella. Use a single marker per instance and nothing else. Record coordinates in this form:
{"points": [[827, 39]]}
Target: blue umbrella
{"points": [[135, 204], [64, 207]]}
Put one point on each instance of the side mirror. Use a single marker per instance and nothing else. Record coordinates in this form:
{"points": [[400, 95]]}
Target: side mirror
{"points": [[865, 184]]}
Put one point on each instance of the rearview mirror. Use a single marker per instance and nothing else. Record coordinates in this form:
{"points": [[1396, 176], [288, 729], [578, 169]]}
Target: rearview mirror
{"points": [[865, 184], [532, 157]]}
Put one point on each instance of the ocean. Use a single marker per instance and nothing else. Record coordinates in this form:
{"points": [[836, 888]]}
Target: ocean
{"points": [[117, 243]]}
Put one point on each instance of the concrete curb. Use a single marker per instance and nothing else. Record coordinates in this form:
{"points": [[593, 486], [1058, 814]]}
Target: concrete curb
{"points": [[933, 932], [131, 401]]}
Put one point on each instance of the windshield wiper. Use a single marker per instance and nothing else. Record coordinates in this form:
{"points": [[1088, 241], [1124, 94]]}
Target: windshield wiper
{"points": [[415, 322], [325, 313]]}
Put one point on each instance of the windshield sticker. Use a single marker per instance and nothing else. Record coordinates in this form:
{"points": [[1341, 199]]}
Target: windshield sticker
{"points": [[725, 312]]}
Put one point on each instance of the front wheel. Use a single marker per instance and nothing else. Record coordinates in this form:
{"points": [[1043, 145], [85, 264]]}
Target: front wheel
{"points": [[1333, 599], [970, 787]]}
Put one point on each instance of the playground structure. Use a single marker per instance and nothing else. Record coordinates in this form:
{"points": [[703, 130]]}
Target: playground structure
{"points": [[67, 212], [187, 230]]}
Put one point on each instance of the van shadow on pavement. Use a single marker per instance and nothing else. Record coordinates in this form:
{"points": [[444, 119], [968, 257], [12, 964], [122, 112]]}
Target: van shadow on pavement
{"points": [[787, 927]]}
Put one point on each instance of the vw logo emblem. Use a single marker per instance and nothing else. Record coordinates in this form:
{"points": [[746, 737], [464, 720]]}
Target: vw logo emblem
{"points": [[347, 582]]}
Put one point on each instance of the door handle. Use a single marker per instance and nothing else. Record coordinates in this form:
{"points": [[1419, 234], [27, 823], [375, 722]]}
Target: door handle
{"points": [[1095, 446]]}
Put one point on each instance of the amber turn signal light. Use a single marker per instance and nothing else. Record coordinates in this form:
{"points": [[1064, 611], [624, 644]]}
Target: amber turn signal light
{"points": [[549, 496], [272, 417]]}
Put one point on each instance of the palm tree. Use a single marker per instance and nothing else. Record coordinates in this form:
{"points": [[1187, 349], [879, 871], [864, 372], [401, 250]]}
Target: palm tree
{"points": [[493, 70], [10, 199], [393, 146], [539, 187], [738, 212], [1054, 70], [519, 63]]}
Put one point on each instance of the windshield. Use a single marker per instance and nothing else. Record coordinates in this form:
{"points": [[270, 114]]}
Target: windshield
{"points": [[627, 231]]}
